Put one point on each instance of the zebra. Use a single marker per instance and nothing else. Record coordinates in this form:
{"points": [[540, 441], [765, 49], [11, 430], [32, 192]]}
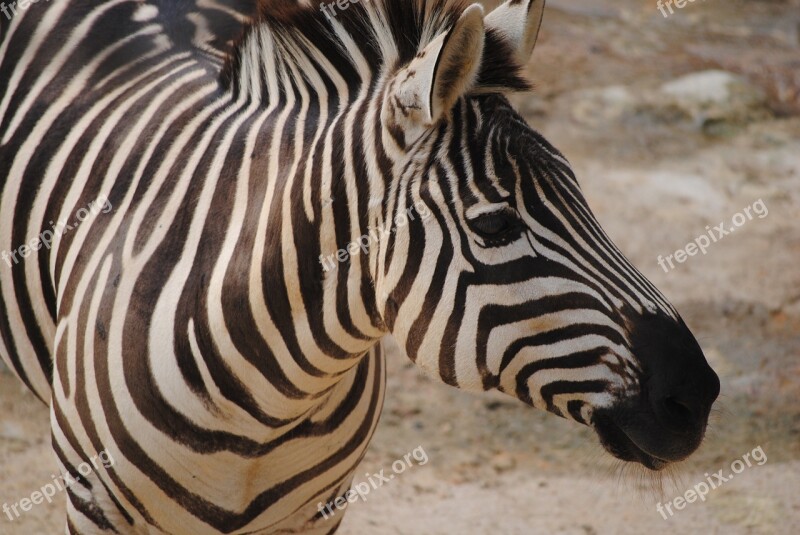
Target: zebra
{"points": [[200, 167]]}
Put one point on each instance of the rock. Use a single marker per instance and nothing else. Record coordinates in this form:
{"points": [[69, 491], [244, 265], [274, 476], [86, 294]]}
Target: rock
{"points": [[594, 107], [705, 87], [502, 462], [12, 431], [718, 102], [689, 187]]}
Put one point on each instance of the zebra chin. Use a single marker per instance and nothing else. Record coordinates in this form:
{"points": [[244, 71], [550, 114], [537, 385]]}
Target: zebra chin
{"points": [[666, 419], [628, 436]]}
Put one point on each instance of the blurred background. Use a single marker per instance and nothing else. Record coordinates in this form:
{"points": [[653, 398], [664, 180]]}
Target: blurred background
{"points": [[672, 124]]}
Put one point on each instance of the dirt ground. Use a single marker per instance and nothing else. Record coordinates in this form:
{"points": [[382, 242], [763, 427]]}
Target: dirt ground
{"points": [[672, 124]]}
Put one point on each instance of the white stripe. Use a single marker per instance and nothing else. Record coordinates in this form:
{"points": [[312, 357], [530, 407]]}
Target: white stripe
{"points": [[58, 62], [43, 30], [90, 155]]}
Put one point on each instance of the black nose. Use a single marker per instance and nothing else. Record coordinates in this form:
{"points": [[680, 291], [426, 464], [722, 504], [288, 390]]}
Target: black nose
{"points": [[679, 384], [664, 421], [685, 408]]}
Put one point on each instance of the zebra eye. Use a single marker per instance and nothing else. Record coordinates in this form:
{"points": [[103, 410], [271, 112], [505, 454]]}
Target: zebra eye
{"points": [[496, 225]]}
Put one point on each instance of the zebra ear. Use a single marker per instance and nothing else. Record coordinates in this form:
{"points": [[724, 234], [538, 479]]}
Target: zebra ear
{"points": [[518, 21], [427, 88]]}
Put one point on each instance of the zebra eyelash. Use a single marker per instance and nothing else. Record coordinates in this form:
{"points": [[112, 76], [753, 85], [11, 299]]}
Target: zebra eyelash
{"points": [[497, 227]]}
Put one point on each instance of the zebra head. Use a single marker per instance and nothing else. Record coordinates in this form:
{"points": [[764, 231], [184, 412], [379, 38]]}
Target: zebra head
{"points": [[506, 280]]}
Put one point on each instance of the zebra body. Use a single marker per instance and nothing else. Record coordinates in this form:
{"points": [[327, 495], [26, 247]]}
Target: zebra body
{"points": [[191, 328]]}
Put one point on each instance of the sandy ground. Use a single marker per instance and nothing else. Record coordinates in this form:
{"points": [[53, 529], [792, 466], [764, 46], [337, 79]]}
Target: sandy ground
{"points": [[660, 157]]}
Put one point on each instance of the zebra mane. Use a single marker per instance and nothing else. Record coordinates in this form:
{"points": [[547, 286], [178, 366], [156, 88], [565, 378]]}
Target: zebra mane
{"points": [[387, 33]]}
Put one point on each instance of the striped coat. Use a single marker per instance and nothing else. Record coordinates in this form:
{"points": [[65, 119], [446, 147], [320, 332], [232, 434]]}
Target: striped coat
{"points": [[206, 231]]}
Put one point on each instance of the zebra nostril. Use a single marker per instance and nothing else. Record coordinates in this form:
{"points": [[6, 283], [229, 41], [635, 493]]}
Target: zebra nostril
{"points": [[678, 411]]}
